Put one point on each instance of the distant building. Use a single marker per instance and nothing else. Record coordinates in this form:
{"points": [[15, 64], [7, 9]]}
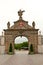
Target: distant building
{"points": [[40, 38], [1, 40], [2, 46]]}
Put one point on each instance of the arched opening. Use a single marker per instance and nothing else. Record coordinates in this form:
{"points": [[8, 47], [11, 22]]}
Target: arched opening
{"points": [[21, 45]]}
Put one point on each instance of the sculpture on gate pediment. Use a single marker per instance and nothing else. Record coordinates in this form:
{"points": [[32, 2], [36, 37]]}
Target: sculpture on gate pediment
{"points": [[8, 25], [33, 24], [20, 13]]}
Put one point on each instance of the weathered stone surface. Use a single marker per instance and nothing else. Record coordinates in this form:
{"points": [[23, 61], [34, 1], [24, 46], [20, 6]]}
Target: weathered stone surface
{"points": [[21, 28]]}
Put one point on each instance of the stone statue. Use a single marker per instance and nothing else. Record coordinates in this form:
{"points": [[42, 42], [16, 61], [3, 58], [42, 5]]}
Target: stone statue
{"points": [[8, 25], [33, 24], [20, 13]]}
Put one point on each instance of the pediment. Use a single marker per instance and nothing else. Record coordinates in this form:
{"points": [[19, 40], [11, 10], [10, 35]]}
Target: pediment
{"points": [[21, 24]]}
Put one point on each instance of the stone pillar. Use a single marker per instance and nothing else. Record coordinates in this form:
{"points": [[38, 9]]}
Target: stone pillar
{"points": [[29, 46], [36, 44], [36, 49], [13, 45], [8, 40], [34, 41], [30, 42]]}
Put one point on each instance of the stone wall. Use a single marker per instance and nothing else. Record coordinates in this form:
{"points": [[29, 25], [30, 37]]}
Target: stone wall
{"points": [[2, 49], [40, 48], [2, 46]]}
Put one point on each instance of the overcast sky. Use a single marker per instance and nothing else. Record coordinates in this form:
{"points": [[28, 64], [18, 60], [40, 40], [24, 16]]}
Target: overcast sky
{"points": [[33, 12], [21, 39]]}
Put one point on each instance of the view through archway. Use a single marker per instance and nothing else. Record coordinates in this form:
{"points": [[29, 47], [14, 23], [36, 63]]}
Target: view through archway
{"points": [[21, 45]]}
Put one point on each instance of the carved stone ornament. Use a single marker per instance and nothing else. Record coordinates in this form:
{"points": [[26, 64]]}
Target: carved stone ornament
{"points": [[33, 24], [8, 25], [20, 13]]}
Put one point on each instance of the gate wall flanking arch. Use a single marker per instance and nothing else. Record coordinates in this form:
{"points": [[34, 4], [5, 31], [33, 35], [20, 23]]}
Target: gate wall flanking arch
{"points": [[21, 28]]}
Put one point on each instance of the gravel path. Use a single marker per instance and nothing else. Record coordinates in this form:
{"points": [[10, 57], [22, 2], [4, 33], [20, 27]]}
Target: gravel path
{"points": [[21, 59]]}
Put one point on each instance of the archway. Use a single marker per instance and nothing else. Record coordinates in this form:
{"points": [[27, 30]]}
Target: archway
{"points": [[21, 28], [21, 45]]}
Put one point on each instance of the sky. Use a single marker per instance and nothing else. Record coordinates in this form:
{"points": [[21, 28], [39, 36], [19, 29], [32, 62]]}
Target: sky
{"points": [[33, 12], [20, 40]]}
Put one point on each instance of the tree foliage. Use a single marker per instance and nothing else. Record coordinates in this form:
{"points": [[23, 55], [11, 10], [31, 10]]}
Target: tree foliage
{"points": [[31, 48], [20, 45]]}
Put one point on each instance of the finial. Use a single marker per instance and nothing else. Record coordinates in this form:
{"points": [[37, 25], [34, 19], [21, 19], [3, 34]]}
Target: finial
{"points": [[2, 33], [20, 13], [8, 24], [39, 32], [33, 24]]}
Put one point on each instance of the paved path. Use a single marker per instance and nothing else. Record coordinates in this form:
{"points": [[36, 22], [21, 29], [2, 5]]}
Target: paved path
{"points": [[23, 59]]}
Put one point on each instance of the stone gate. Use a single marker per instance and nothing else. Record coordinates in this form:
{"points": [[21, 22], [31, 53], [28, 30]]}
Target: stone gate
{"points": [[21, 28]]}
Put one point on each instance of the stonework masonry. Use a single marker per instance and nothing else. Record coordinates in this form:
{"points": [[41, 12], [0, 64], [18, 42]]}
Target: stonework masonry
{"points": [[21, 28]]}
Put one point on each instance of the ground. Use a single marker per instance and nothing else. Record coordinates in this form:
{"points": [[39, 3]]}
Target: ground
{"points": [[21, 58]]}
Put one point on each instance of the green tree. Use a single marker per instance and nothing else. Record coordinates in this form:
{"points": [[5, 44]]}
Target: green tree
{"points": [[20, 45], [31, 48], [10, 48], [25, 44]]}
